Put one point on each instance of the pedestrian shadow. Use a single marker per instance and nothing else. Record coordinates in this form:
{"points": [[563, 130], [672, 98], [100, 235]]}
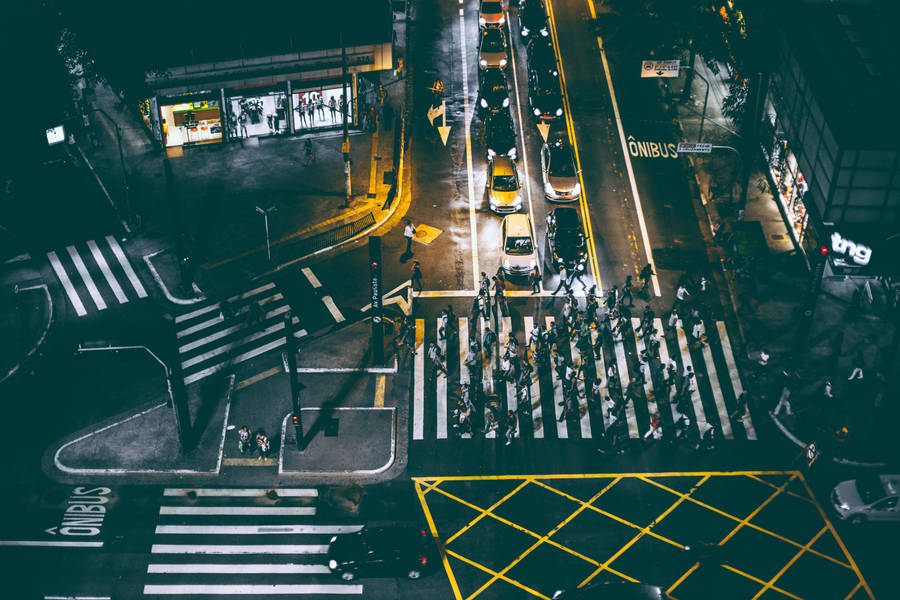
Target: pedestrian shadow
{"points": [[405, 257], [211, 391], [328, 407]]}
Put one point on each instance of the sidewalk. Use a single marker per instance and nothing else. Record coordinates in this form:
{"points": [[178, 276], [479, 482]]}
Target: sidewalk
{"points": [[26, 315], [767, 304]]}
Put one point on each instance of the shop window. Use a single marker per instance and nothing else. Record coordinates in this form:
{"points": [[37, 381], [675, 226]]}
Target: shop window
{"points": [[192, 123], [251, 116]]}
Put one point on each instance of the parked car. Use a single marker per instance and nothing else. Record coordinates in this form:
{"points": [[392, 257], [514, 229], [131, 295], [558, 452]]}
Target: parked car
{"points": [[612, 591], [518, 253], [499, 135], [504, 194], [541, 55], [491, 14], [533, 19], [383, 552], [559, 173], [493, 94], [492, 49], [565, 237], [544, 96], [870, 498]]}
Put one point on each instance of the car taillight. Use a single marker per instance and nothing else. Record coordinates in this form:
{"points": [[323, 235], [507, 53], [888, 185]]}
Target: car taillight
{"points": [[424, 560]]}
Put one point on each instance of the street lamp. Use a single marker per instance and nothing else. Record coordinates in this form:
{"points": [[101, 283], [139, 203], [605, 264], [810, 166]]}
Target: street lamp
{"points": [[265, 213], [705, 100], [125, 186]]}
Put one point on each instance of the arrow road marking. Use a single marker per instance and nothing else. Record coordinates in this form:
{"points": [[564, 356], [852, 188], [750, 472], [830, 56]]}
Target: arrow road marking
{"points": [[443, 129]]}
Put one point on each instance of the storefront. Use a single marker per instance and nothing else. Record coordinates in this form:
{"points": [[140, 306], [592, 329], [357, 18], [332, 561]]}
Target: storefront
{"points": [[189, 121], [791, 188], [257, 111], [321, 107]]}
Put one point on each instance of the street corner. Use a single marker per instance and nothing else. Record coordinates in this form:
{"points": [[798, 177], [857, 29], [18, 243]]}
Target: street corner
{"points": [[764, 533], [25, 321], [425, 234], [342, 441]]}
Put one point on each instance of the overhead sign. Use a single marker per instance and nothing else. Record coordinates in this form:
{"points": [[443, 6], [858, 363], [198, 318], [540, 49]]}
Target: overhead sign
{"points": [[694, 148], [651, 149], [858, 253], [56, 135], [660, 68]]}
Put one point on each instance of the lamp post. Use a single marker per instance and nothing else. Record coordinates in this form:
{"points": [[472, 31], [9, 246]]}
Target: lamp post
{"points": [[734, 171], [265, 213], [125, 186], [705, 100], [345, 147]]}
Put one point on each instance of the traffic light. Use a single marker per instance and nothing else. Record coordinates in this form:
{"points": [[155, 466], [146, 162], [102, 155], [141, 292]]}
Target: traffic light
{"points": [[295, 420], [823, 250]]}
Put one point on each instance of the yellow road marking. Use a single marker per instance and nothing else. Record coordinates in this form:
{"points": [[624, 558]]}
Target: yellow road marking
{"points": [[247, 462], [379, 390], [492, 572], [596, 475], [773, 486], [258, 377], [778, 575], [681, 579], [484, 512], [373, 169], [757, 510], [570, 128], [760, 581], [441, 548]]}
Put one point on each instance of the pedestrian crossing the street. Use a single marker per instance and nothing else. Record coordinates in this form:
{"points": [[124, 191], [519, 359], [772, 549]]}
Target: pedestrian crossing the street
{"points": [[648, 387], [223, 543], [96, 275]]}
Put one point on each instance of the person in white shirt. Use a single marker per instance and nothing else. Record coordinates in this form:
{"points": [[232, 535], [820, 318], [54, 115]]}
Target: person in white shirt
{"points": [[408, 232]]}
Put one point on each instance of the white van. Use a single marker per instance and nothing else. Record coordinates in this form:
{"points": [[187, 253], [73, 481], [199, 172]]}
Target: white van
{"points": [[870, 498]]}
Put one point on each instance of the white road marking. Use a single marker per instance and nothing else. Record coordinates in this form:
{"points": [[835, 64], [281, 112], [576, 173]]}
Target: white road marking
{"points": [[48, 544], [230, 346], [562, 430], [585, 419], [126, 266], [215, 306], [107, 274], [735, 377], [279, 511], [699, 413], [505, 330], [255, 529], [648, 381], [239, 358], [624, 380], [441, 398], [473, 229], [332, 308], [664, 359], [537, 417], [242, 492], [218, 318], [229, 330], [239, 549], [86, 277], [419, 383], [463, 336], [600, 367], [244, 569], [311, 277], [66, 283], [713, 376], [250, 590]]}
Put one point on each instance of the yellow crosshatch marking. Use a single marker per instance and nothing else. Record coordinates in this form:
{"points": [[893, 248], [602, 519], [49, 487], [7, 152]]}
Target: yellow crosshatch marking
{"points": [[425, 234], [768, 585]]}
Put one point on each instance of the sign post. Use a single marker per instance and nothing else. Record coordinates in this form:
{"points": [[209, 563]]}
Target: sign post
{"points": [[694, 148], [660, 68], [375, 295]]}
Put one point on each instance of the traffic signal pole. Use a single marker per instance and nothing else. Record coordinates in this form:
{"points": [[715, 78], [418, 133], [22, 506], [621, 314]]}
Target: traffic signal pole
{"points": [[296, 386], [376, 293]]}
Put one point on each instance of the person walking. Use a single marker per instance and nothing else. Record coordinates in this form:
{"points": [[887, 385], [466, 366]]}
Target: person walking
{"points": [[612, 299], [563, 281], [243, 439], [490, 338], [262, 445], [645, 275], [680, 295], [226, 312], [784, 402], [500, 295], [858, 362], [309, 154], [697, 334], [511, 426], [416, 277], [434, 354], [827, 391], [534, 278], [255, 313], [409, 232], [627, 292]]}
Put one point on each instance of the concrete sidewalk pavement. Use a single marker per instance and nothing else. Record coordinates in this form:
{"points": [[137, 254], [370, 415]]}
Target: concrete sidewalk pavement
{"points": [[26, 316]]}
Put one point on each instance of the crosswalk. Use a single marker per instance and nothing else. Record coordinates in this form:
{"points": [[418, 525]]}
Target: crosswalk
{"points": [[222, 543], [713, 399], [97, 271]]}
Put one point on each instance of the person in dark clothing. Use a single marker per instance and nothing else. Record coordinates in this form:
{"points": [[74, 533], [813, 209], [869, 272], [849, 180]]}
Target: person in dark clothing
{"points": [[416, 277]]}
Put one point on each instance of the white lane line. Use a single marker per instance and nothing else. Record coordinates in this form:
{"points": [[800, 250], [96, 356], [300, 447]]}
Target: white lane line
{"points": [[473, 229], [218, 318], [492, 367], [562, 430], [600, 367], [279, 511], [505, 331], [664, 359], [126, 266], [229, 330], [77, 598], [332, 308], [107, 274], [215, 306], [255, 529], [699, 414], [585, 418], [463, 336], [86, 277], [251, 590], [242, 492], [230, 346], [712, 376], [66, 283], [441, 396], [239, 549], [30, 543], [239, 358], [735, 376], [624, 380], [311, 277], [640, 344], [537, 417], [244, 569], [634, 190], [419, 383]]}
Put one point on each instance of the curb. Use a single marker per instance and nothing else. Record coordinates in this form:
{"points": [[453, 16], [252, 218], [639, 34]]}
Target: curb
{"points": [[162, 285], [837, 460], [15, 368]]}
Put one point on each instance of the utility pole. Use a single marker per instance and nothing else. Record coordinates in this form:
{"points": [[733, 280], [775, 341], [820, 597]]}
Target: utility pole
{"points": [[296, 386], [345, 147], [265, 213], [375, 293]]}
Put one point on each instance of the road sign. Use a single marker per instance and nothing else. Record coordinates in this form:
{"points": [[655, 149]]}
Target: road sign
{"points": [[544, 128], [660, 68], [694, 148], [812, 454]]}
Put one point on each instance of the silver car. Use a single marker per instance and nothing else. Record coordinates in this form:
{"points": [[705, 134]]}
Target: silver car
{"points": [[559, 173], [870, 498]]}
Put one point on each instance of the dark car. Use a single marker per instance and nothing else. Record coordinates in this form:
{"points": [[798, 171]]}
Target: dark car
{"points": [[499, 135], [541, 55], [533, 19], [383, 552], [544, 97], [612, 591], [493, 94], [566, 239]]}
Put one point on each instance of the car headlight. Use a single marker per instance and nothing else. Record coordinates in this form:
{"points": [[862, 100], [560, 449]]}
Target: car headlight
{"points": [[512, 153], [332, 564], [548, 189], [481, 21], [502, 20], [560, 261], [506, 264], [844, 506], [491, 154], [545, 32], [333, 539], [517, 203], [525, 31], [577, 189], [482, 62], [506, 102], [581, 266], [558, 112], [502, 62], [493, 203], [537, 112], [532, 264], [555, 73], [483, 103]]}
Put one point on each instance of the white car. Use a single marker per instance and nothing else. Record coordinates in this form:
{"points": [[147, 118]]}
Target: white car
{"points": [[870, 498], [518, 252]]}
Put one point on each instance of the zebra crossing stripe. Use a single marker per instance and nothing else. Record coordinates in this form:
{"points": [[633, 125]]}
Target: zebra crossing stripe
{"points": [[562, 429], [218, 318], [243, 569], [712, 376], [645, 374], [491, 370], [66, 283], [239, 549], [585, 414], [537, 417], [107, 274], [419, 387], [463, 335], [600, 367], [699, 414], [664, 359], [441, 390], [248, 589], [126, 266], [242, 492], [333, 309], [229, 330], [256, 529], [239, 358], [223, 349], [735, 377], [215, 306], [622, 367], [311, 277], [86, 277], [275, 511], [506, 331]]}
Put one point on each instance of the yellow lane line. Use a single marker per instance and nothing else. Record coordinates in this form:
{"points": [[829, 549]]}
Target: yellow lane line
{"points": [[484, 512], [598, 475], [491, 572], [441, 548], [840, 542], [854, 590], [258, 377], [757, 510], [379, 390], [680, 580], [773, 486], [761, 582], [778, 575], [570, 128]]}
